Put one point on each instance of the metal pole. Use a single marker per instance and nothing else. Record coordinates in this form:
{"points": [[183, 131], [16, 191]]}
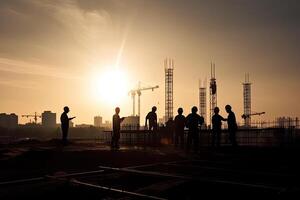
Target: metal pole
{"points": [[139, 103], [133, 103]]}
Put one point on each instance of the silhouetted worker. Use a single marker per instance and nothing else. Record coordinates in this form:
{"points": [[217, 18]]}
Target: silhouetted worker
{"points": [[216, 127], [152, 118], [64, 119], [170, 128], [193, 121], [116, 129], [179, 128], [232, 125]]}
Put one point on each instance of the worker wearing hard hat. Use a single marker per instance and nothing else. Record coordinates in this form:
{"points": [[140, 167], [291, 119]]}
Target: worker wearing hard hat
{"points": [[152, 118], [232, 125], [193, 121]]}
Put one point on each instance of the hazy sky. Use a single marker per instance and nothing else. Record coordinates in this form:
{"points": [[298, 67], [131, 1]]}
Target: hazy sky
{"points": [[50, 50]]}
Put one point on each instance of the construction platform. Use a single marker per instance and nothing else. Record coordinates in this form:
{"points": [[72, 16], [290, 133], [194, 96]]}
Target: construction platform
{"points": [[89, 170]]}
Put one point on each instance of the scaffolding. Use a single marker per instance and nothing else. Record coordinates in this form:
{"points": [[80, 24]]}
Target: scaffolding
{"points": [[213, 91], [169, 68], [202, 100], [247, 100]]}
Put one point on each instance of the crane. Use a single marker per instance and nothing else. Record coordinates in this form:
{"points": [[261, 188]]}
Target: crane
{"points": [[137, 91], [244, 116], [35, 117]]}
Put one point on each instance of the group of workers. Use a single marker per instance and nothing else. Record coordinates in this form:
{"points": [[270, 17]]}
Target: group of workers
{"points": [[193, 122]]}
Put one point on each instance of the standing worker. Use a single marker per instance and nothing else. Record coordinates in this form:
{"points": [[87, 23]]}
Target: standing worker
{"points": [[216, 127], [232, 125], [170, 129], [152, 118], [64, 119], [179, 128], [116, 129], [193, 121]]}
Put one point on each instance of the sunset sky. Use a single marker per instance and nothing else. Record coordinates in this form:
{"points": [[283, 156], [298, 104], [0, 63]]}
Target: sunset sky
{"points": [[57, 53]]}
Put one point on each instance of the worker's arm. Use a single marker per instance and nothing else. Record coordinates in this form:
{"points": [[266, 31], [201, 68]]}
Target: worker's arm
{"points": [[71, 118], [223, 119]]}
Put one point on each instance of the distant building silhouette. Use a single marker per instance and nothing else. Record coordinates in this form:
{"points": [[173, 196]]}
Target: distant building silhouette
{"points": [[83, 125], [49, 119], [107, 125], [287, 122], [8, 120], [131, 123], [98, 121]]}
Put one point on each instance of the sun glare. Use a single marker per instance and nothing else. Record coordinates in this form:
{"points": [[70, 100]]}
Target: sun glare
{"points": [[111, 86]]}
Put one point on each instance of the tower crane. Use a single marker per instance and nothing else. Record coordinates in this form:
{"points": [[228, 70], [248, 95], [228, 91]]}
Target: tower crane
{"points": [[35, 117], [138, 91], [244, 116]]}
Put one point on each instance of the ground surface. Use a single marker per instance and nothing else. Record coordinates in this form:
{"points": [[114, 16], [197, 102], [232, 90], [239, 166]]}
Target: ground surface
{"points": [[145, 173]]}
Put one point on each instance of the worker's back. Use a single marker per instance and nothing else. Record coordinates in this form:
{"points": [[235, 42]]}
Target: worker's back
{"points": [[152, 117], [231, 121], [179, 122], [217, 122], [193, 120]]}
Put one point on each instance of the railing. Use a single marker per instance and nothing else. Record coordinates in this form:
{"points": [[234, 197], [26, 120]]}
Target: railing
{"points": [[245, 137]]}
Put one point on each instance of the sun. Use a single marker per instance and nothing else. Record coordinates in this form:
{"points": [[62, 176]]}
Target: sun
{"points": [[110, 86]]}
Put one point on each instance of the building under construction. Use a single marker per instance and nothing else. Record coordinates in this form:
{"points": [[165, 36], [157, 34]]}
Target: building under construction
{"points": [[213, 91], [202, 100], [247, 100], [169, 68]]}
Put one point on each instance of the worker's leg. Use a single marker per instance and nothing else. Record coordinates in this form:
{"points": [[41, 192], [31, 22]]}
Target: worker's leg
{"points": [[233, 138], [117, 140], [182, 140], [189, 140], [156, 137], [65, 136], [213, 138], [196, 141], [230, 137], [218, 138], [113, 140], [176, 138], [150, 135]]}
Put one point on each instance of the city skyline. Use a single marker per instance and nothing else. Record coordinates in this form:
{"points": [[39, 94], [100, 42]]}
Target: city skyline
{"points": [[52, 52]]}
